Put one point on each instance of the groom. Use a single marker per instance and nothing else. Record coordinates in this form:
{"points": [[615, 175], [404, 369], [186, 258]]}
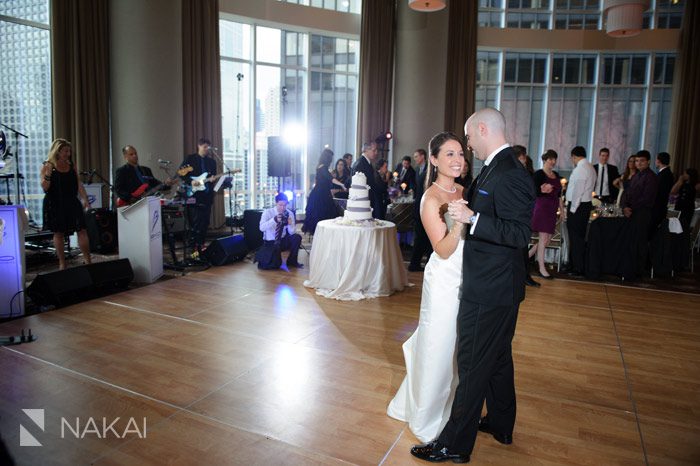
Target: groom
{"points": [[493, 285]]}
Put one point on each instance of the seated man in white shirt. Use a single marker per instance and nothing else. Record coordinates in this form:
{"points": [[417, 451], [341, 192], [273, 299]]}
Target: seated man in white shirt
{"points": [[278, 226]]}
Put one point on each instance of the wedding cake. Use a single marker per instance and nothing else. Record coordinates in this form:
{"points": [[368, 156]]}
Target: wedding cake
{"points": [[358, 199]]}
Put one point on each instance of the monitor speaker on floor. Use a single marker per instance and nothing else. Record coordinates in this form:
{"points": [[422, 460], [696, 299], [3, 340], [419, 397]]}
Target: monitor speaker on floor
{"points": [[226, 250], [81, 283]]}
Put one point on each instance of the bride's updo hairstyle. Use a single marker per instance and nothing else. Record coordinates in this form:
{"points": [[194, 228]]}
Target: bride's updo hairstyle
{"points": [[436, 143]]}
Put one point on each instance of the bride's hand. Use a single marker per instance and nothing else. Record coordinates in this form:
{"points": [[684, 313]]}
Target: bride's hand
{"points": [[459, 211]]}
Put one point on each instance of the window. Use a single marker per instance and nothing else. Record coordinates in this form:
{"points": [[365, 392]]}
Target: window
{"points": [[346, 6], [303, 83], [669, 14], [25, 93], [561, 100]]}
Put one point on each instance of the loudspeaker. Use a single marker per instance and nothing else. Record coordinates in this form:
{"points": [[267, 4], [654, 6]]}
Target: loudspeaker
{"points": [[80, 283], [173, 219], [102, 230], [226, 250], [251, 229], [279, 160]]}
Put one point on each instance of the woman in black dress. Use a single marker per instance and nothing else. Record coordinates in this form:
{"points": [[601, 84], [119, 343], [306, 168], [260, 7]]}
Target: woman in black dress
{"points": [[321, 205], [63, 214], [341, 179], [685, 190]]}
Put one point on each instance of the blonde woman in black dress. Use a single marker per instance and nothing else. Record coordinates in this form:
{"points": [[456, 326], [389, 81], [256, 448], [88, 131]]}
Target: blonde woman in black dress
{"points": [[63, 212]]}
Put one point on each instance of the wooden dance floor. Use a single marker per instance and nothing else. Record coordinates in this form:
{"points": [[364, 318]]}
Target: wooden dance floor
{"points": [[238, 366]]}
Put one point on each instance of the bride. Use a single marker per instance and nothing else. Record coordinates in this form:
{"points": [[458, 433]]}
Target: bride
{"points": [[425, 397]]}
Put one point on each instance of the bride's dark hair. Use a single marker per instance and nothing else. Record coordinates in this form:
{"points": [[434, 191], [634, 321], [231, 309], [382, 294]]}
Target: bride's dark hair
{"points": [[436, 143]]}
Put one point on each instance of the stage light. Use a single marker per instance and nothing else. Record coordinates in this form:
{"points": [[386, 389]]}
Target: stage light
{"points": [[289, 195], [384, 137], [294, 135]]}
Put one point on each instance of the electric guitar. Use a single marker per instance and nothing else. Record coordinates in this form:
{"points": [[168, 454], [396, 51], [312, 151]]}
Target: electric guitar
{"points": [[143, 191], [198, 183]]}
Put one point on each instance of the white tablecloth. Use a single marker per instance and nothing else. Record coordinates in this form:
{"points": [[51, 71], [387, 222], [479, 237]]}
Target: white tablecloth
{"points": [[353, 263]]}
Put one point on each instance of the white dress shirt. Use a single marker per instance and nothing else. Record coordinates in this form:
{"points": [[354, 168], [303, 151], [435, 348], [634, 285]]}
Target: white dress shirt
{"points": [[581, 184], [602, 180], [489, 159], [268, 225]]}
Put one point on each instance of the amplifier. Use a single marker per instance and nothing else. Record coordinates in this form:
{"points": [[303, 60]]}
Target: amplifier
{"points": [[173, 218]]}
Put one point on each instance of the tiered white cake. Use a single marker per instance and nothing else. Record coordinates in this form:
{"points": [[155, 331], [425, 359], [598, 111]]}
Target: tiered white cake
{"points": [[358, 207]]}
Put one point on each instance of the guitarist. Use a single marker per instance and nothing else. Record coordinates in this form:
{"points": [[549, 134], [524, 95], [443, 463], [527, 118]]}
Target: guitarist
{"points": [[199, 205], [131, 177]]}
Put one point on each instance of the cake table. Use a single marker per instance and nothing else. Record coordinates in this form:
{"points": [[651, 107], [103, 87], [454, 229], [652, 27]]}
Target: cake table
{"points": [[356, 262]]}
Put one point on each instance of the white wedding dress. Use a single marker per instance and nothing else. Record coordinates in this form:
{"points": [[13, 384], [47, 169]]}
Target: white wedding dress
{"points": [[425, 397]]}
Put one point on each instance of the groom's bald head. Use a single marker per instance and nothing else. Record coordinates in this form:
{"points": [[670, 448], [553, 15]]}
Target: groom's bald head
{"points": [[485, 131]]}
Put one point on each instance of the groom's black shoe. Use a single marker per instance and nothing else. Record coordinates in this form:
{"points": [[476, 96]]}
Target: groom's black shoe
{"points": [[505, 439], [435, 452]]}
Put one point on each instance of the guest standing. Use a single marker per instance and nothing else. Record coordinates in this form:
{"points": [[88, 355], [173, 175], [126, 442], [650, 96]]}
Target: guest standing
{"points": [[365, 164], [665, 180], [62, 211], [526, 161], [685, 202], [465, 177], [320, 205], [421, 244], [623, 182], [341, 179], [606, 174], [547, 204], [637, 202], [383, 177], [579, 195]]}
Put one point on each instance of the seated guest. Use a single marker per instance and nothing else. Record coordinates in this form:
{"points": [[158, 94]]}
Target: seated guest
{"points": [[407, 175], [637, 202], [279, 227], [665, 180], [606, 174], [685, 202], [348, 160], [131, 176]]}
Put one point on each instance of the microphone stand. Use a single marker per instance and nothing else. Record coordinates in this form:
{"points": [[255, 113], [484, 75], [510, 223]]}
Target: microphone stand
{"points": [[16, 156], [228, 187]]}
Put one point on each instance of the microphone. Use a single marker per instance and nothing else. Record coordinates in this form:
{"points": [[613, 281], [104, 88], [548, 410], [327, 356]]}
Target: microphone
{"points": [[164, 162]]}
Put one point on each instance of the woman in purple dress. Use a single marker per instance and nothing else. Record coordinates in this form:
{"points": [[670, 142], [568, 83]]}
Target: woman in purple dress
{"points": [[544, 215]]}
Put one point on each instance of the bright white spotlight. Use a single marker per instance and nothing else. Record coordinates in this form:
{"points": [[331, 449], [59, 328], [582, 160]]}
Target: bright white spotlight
{"points": [[294, 135], [289, 195]]}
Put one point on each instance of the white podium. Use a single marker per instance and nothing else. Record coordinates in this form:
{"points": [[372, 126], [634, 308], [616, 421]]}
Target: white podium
{"points": [[140, 238], [11, 261]]}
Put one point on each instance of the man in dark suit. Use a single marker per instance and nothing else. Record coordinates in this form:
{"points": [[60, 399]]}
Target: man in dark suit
{"points": [[131, 176], [421, 243], [664, 186], [605, 175], [199, 204], [365, 164], [498, 214], [407, 175]]}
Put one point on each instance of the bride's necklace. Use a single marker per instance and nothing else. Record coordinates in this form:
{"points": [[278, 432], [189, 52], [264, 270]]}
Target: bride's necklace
{"points": [[452, 191]]}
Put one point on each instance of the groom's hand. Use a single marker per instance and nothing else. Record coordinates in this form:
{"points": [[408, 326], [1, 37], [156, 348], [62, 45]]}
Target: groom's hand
{"points": [[459, 211]]}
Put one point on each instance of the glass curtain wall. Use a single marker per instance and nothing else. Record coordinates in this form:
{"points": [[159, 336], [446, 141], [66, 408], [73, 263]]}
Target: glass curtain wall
{"points": [[25, 98], [297, 88]]}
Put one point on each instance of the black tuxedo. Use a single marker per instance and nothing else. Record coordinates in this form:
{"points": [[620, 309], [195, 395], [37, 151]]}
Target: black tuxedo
{"points": [[663, 191], [612, 174], [409, 177], [362, 165], [421, 243], [199, 212], [493, 285], [126, 181]]}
